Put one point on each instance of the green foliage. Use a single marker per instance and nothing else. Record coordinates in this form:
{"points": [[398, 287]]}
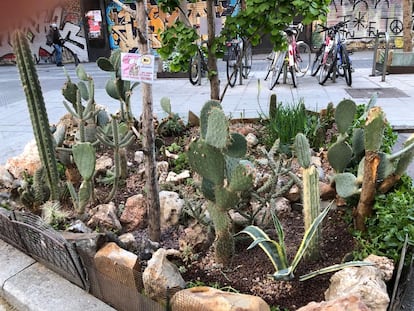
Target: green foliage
{"points": [[271, 17], [392, 220], [178, 40], [287, 121]]}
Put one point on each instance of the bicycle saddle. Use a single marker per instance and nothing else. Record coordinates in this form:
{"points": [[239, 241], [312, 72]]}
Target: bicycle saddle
{"points": [[290, 31]]}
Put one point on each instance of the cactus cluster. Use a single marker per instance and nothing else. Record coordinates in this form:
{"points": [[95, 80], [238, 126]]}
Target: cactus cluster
{"points": [[377, 170], [217, 156], [37, 111]]}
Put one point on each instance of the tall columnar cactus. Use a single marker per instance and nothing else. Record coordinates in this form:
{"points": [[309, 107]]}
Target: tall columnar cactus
{"points": [[217, 157], [373, 165], [37, 110], [310, 191], [120, 140]]}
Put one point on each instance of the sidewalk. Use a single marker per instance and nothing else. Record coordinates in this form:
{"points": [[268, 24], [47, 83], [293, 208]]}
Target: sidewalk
{"points": [[28, 285], [249, 100]]}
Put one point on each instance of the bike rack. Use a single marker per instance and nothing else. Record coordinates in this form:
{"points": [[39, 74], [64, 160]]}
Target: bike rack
{"points": [[381, 37]]}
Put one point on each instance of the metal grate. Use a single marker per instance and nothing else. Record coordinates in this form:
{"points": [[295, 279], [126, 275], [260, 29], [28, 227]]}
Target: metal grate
{"points": [[30, 234], [383, 92], [117, 286]]}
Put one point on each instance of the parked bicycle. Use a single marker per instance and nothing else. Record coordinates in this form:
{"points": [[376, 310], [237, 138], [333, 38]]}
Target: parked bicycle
{"points": [[238, 60], [198, 64], [295, 60], [335, 57]]}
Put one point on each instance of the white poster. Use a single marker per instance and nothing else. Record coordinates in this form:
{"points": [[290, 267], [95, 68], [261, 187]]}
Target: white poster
{"points": [[137, 67]]}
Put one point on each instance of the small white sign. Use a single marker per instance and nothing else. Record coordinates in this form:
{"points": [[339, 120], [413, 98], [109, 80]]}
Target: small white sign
{"points": [[137, 67]]}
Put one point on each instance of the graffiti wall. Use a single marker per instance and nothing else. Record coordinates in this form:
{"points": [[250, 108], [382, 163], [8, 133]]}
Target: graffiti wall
{"points": [[122, 25], [68, 18], [368, 17]]}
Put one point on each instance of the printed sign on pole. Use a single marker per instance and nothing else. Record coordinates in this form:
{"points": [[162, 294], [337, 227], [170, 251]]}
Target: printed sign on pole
{"points": [[137, 67]]}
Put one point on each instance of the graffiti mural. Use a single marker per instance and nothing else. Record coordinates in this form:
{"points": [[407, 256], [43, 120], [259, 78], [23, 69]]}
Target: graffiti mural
{"points": [[368, 17], [36, 30], [122, 26]]}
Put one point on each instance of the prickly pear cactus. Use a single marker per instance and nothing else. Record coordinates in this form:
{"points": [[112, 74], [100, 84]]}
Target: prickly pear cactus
{"points": [[217, 157]]}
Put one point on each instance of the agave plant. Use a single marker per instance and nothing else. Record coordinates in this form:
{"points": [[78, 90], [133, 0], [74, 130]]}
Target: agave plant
{"points": [[276, 250]]}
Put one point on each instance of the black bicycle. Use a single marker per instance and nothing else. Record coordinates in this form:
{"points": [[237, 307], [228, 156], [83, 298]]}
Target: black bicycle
{"points": [[239, 60], [198, 64], [335, 57]]}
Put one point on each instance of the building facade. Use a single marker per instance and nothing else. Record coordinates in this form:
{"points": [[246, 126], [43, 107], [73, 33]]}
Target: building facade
{"points": [[92, 28]]}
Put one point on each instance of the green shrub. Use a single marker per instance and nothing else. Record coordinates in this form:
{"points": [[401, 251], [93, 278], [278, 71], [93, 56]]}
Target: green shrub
{"points": [[392, 221]]}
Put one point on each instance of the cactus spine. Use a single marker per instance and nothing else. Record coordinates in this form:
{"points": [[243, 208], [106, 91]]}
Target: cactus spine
{"points": [[217, 157], [37, 110], [310, 191]]}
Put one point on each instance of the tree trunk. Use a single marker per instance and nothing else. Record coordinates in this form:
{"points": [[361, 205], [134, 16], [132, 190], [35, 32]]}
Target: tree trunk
{"points": [[407, 25], [153, 199], [212, 59], [367, 198]]}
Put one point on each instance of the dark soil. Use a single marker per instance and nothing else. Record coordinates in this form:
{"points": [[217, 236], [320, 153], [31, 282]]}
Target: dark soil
{"points": [[250, 270]]}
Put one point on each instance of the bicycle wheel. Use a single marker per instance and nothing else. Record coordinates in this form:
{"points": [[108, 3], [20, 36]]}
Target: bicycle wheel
{"points": [[317, 61], [277, 68], [193, 70], [327, 67], [303, 58], [247, 59], [271, 59], [293, 71], [346, 66], [232, 67]]}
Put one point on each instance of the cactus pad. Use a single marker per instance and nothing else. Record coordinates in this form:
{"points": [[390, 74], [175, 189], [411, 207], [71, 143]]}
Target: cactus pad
{"points": [[207, 161], [205, 112], [218, 129], [237, 147], [374, 129], [339, 156], [344, 114], [346, 185]]}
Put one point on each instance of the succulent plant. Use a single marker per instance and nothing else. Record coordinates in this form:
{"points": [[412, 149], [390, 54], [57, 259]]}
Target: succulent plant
{"points": [[217, 157], [116, 87], [84, 156], [117, 140]]}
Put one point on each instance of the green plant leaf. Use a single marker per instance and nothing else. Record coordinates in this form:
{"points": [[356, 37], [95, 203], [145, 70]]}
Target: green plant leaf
{"points": [[334, 268], [271, 248]]}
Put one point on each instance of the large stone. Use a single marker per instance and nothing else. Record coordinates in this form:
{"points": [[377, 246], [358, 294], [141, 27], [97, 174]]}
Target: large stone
{"points": [[170, 207], [119, 275], [28, 161], [161, 277], [135, 212], [104, 216], [349, 303], [196, 238], [366, 282], [210, 299]]}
